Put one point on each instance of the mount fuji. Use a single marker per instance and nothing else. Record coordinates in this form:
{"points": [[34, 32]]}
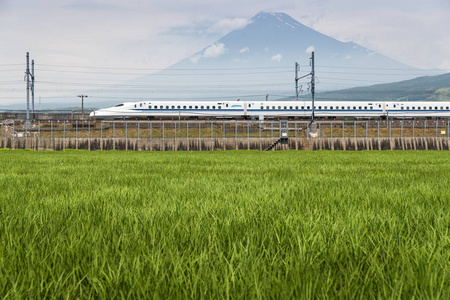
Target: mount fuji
{"points": [[257, 61]]}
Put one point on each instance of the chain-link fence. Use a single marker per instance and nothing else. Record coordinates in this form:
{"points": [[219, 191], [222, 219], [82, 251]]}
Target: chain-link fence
{"points": [[226, 129]]}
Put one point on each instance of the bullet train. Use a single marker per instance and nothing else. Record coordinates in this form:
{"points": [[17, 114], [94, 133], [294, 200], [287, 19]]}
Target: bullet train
{"points": [[273, 109]]}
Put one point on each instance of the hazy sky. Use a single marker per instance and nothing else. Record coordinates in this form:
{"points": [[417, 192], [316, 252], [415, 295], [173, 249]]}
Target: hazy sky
{"points": [[152, 34]]}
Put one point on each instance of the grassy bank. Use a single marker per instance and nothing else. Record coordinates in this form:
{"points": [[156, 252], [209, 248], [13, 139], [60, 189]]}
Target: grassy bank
{"points": [[224, 224]]}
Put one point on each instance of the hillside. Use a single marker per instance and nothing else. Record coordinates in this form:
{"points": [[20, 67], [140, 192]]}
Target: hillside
{"points": [[428, 88]]}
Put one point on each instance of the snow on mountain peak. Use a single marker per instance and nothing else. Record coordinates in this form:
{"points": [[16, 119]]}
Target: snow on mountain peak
{"points": [[276, 17]]}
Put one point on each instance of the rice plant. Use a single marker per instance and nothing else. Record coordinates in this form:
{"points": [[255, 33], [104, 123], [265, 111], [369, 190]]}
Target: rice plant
{"points": [[282, 225]]}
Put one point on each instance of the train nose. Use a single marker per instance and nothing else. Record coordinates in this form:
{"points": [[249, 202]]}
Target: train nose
{"points": [[92, 114]]}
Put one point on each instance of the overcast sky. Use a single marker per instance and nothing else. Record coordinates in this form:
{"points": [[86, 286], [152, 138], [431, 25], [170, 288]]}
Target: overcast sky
{"points": [[152, 34]]}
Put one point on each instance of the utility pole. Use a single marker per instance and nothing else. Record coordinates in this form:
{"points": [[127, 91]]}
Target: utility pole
{"points": [[32, 88], [313, 127], [82, 104], [313, 85], [27, 74], [296, 81]]}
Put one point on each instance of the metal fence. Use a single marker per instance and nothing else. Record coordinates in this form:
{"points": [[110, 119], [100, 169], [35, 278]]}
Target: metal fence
{"points": [[226, 129]]}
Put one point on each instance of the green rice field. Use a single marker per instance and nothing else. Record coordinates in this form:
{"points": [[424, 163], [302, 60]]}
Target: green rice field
{"points": [[225, 225]]}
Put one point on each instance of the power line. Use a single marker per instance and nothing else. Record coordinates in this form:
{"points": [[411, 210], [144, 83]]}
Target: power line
{"points": [[159, 85], [383, 69], [371, 74], [170, 74], [166, 69]]}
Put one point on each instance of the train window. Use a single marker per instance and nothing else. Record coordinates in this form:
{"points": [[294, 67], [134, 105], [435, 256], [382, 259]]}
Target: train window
{"points": [[167, 106], [119, 105], [296, 107], [184, 106], [202, 107], [365, 107], [307, 107], [371, 107], [320, 107], [279, 107], [190, 106], [149, 107], [196, 107], [273, 107], [262, 107], [402, 107], [435, 107], [161, 107], [360, 107], [267, 107], [395, 106], [219, 107], [249, 105], [418, 108], [173, 106], [442, 108], [140, 104], [303, 107], [354, 107], [446, 107], [331, 107], [226, 105], [179, 107], [213, 107], [285, 107], [379, 105], [413, 108], [290, 107], [407, 108], [135, 106], [431, 108], [325, 107]]}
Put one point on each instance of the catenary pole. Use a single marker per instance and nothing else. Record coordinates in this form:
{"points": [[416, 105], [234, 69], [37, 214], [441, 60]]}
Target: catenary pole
{"points": [[28, 91], [313, 84], [296, 80], [32, 88], [82, 104]]}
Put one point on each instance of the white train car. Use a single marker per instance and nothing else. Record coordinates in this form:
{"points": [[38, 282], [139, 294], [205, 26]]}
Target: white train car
{"points": [[277, 109]]}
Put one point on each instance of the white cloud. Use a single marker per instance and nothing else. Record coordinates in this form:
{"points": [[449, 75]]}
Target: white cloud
{"points": [[194, 59], [277, 57], [227, 25], [310, 49], [215, 50], [244, 50], [445, 65], [348, 57]]}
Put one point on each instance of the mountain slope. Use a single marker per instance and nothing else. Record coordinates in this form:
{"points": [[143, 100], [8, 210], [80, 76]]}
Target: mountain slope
{"points": [[428, 88], [256, 61], [270, 34]]}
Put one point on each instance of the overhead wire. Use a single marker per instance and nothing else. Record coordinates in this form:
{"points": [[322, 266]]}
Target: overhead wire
{"points": [[176, 86], [167, 69]]}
